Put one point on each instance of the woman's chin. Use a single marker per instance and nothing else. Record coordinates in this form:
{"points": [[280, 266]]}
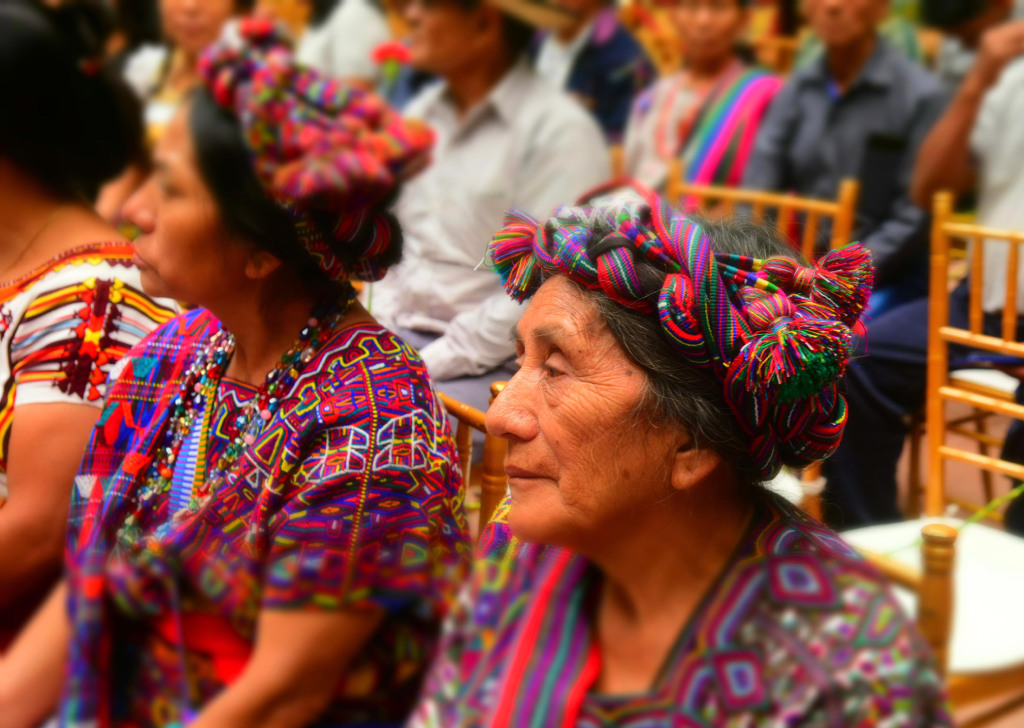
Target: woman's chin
{"points": [[155, 287], [532, 522]]}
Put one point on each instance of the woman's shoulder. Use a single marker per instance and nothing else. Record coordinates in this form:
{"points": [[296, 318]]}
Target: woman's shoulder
{"points": [[834, 620], [74, 265], [166, 348], [807, 568], [366, 375], [374, 354], [762, 77]]}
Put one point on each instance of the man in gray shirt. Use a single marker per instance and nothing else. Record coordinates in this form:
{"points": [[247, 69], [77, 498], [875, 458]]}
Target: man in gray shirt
{"points": [[977, 145], [860, 110]]}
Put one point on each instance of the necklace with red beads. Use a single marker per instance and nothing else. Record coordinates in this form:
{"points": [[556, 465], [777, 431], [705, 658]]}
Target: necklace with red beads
{"points": [[195, 404]]}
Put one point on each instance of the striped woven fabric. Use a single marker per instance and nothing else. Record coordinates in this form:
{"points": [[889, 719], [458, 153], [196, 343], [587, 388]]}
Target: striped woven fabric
{"points": [[797, 630], [719, 147]]}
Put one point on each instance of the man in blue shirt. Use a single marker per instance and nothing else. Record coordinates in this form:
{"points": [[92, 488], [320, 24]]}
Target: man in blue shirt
{"points": [[860, 110], [597, 61]]}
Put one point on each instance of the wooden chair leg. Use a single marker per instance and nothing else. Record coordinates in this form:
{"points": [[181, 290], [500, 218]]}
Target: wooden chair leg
{"points": [[935, 604], [493, 483], [983, 449], [813, 485]]}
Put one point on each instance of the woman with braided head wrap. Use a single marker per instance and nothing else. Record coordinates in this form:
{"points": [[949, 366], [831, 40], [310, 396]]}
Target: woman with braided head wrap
{"points": [[267, 524], [639, 575]]}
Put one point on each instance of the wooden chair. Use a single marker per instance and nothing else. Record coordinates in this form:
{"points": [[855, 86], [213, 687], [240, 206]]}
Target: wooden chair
{"points": [[490, 473], [949, 231], [788, 209], [617, 158], [973, 626]]}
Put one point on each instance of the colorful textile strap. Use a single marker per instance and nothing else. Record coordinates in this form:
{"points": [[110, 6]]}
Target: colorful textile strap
{"points": [[776, 334], [319, 147]]}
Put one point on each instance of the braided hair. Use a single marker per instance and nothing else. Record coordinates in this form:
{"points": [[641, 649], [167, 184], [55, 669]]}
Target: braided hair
{"points": [[742, 343]]}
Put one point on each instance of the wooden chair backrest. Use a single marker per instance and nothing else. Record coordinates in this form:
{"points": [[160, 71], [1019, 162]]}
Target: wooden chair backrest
{"points": [[787, 208], [941, 388], [493, 483], [933, 585]]}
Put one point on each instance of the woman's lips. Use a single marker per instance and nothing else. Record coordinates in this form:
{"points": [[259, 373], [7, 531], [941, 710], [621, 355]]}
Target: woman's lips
{"points": [[517, 473]]}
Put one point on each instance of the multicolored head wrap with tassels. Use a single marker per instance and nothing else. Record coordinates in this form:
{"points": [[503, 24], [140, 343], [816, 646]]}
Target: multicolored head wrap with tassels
{"points": [[775, 334], [328, 153]]}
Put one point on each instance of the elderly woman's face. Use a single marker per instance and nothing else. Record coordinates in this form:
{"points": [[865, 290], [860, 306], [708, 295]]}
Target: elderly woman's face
{"points": [[183, 251], [580, 463]]}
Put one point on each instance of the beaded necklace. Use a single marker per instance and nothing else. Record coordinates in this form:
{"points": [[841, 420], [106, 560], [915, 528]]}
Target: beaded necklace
{"points": [[196, 395]]}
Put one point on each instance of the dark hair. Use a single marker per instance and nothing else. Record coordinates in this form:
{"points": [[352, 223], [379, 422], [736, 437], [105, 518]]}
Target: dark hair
{"points": [[66, 121], [321, 10], [677, 392], [139, 21], [517, 34], [947, 14], [250, 214]]}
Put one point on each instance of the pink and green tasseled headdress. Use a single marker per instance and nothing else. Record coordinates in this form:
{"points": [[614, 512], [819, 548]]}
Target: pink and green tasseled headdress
{"points": [[327, 152], [775, 334]]}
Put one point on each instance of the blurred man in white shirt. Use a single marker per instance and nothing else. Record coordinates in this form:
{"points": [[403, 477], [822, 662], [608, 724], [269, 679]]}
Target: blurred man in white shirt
{"points": [[505, 140]]}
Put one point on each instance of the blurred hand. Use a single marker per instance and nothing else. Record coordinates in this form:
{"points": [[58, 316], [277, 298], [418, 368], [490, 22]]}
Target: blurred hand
{"points": [[998, 47], [1016, 372]]}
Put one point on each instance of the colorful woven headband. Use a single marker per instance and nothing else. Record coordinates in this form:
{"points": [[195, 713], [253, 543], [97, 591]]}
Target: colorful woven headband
{"points": [[774, 333], [328, 153]]}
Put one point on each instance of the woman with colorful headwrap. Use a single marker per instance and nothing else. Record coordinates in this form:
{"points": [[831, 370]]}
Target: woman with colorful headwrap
{"points": [[639, 575], [268, 522], [708, 114]]}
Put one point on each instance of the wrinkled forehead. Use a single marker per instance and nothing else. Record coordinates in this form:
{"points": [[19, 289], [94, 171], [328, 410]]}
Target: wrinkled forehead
{"points": [[560, 313]]}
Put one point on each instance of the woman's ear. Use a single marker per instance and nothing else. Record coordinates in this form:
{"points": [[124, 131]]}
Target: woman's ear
{"points": [[261, 264], [692, 464]]}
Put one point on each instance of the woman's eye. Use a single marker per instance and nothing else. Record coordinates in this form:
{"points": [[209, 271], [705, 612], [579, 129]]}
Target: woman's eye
{"points": [[552, 371]]}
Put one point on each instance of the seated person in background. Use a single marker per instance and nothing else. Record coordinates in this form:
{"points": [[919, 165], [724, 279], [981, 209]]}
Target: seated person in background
{"points": [[71, 303], [505, 139], [708, 114], [267, 525], [597, 61], [977, 145], [900, 28], [161, 75], [965, 22], [861, 110], [639, 574], [341, 37]]}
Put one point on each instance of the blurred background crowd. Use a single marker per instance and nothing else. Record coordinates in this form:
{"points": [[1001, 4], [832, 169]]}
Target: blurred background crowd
{"points": [[892, 116]]}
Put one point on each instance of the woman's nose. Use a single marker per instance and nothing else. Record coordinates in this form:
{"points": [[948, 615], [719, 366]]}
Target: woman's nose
{"points": [[139, 209], [511, 416]]}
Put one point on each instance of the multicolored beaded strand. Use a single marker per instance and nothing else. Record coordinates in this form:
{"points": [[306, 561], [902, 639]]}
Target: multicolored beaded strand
{"points": [[197, 393]]}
